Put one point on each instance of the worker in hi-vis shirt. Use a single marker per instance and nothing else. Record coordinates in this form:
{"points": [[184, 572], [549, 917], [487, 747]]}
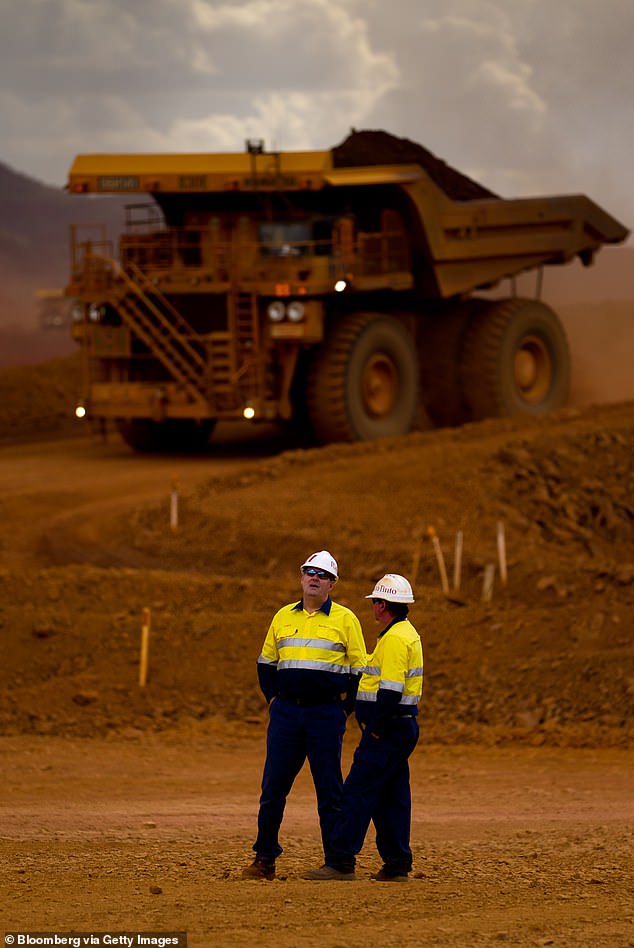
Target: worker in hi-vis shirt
{"points": [[309, 670], [377, 789]]}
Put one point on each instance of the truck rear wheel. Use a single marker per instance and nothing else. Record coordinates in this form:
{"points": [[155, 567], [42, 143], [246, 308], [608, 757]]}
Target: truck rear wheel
{"points": [[175, 435], [515, 360], [363, 382]]}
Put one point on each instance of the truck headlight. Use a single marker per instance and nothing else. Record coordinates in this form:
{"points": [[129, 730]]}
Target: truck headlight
{"points": [[276, 311], [295, 311], [95, 312], [77, 312]]}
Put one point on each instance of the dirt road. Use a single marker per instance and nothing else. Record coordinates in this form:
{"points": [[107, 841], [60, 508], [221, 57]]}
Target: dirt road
{"points": [[529, 847]]}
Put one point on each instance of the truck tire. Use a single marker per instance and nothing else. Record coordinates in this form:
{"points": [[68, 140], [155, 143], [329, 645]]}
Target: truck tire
{"points": [[363, 382], [176, 435], [440, 352], [515, 360]]}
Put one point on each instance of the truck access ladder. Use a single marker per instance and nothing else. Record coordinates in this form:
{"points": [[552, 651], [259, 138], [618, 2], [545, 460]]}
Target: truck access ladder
{"points": [[161, 327], [232, 354]]}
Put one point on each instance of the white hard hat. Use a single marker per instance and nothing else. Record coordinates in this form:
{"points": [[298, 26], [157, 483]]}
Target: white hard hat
{"points": [[392, 588], [322, 560]]}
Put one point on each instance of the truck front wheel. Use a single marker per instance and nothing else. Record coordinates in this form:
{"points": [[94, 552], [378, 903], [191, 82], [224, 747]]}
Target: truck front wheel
{"points": [[515, 360], [363, 381]]}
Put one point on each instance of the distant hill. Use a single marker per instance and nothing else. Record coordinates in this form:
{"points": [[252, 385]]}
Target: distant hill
{"points": [[35, 221], [35, 217]]}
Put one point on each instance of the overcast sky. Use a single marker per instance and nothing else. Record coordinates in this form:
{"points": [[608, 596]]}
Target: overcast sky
{"points": [[526, 96]]}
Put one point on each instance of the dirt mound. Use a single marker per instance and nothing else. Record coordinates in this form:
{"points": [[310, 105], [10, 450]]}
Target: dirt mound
{"points": [[381, 148], [576, 489]]}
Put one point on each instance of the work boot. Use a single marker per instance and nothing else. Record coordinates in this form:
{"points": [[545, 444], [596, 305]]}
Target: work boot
{"points": [[329, 874], [260, 869], [383, 876]]}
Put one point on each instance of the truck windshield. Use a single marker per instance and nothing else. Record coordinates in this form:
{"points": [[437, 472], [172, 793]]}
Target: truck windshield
{"points": [[280, 239]]}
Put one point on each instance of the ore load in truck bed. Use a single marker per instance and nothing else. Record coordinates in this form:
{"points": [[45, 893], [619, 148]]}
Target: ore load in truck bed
{"points": [[381, 148]]}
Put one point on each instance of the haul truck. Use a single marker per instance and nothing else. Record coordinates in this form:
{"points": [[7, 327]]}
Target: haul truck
{"points": [[335, 290]]}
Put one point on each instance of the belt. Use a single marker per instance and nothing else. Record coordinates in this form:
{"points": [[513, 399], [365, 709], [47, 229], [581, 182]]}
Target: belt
{"points": [[310, 701]]}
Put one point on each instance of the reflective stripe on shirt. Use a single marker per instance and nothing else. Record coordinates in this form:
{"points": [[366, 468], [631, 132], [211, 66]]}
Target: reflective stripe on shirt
{"points": [[313, 666], [311, 643], [406, 700]]}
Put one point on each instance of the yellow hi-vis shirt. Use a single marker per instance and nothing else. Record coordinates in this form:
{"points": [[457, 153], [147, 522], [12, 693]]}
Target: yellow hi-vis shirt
{"points": [[396, 665], [314, 650]]}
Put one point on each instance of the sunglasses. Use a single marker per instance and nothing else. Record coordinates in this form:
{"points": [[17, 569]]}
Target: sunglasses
{"points": [[320, 573]]}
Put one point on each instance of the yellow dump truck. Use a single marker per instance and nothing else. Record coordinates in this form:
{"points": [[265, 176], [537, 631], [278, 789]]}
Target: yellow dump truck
{"points": [[334, 290]]}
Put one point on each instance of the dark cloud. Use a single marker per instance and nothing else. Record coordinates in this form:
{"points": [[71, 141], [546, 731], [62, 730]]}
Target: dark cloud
{"points": [[528, 96]]}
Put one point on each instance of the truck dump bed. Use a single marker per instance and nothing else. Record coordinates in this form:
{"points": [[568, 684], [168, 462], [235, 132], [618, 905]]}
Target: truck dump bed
{"points": [[475, 244]]}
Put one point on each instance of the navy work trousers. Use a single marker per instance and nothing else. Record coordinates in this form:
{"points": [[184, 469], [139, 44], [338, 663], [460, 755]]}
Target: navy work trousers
{"points": [[377, 790], [295, 734]]}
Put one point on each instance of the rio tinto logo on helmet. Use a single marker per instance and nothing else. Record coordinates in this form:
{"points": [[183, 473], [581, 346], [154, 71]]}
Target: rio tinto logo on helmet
{"points": [[382, 588]]}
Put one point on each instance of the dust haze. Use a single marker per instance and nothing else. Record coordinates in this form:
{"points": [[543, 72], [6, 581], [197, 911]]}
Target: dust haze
{"points": [[601, 341]]}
